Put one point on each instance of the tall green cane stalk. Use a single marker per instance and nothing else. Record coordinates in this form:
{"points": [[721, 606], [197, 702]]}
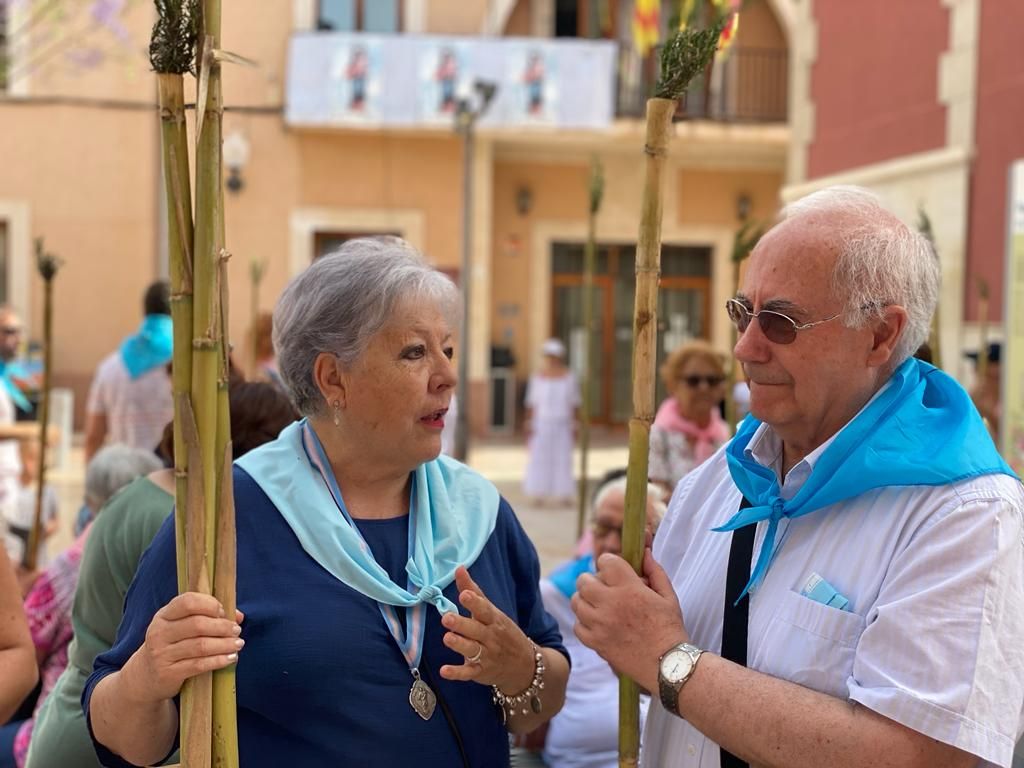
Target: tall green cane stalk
{"points": [[684, 56], [924, 226], [982, 367], [596, 191], [209, 390], [172, 54], [47, 265], [257, 268]]}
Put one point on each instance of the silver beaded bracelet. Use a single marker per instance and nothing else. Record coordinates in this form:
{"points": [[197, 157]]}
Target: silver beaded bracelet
{"points": [[509, 704]]}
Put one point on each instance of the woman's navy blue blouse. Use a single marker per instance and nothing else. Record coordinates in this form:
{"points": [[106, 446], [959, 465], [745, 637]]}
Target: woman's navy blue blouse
{"points": [[321, 681]]}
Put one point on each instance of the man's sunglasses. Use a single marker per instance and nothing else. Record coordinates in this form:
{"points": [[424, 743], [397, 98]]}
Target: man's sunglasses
{"points": [[776, 327], [695, 381]]}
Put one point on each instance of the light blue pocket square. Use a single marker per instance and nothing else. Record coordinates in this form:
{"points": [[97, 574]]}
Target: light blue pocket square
{"points": [[820, 591]]}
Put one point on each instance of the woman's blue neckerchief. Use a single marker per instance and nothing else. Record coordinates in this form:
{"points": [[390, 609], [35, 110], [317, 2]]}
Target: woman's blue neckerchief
{"points": [[12, 389], [922, 429], [564, 577], [455, 512], [151, 347]]}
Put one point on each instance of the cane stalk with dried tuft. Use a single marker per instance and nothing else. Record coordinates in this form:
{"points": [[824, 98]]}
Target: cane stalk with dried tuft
{"points": [[212, 496], [186, 38], [685, 55], [595, 193], [257, 268], [743, 243], [924, 226], [172, 54], [47, 265], [982, 367]]}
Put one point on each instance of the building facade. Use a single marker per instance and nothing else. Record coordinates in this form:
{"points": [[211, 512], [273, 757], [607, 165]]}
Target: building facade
{"points": [[924, 103], [345, 126]]}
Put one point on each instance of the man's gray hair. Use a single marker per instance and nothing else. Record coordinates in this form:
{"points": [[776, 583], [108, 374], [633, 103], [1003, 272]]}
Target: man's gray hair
{"points": [[112, 468], [880, 261], [342, 300], [655, 506]]}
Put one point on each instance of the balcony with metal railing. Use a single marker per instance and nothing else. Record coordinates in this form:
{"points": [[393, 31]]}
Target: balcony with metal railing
{"points": [[749, 85]]}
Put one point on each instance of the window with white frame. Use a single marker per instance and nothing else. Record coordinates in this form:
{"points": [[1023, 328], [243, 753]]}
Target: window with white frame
{"points": [[380, 16]]}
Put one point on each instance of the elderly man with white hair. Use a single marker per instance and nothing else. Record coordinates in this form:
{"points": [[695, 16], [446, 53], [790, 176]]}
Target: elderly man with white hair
{"points": [[841, 584]]}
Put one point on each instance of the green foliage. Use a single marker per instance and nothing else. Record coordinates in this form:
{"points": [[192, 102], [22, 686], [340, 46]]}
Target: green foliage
{"points": [[686, 54], [745, 240], [596, 184], [46, 263], [172, 48]]}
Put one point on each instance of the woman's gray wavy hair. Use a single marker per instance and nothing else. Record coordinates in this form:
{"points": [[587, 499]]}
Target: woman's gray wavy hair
{"points": [[112, 468], [342, 300], [880, 262]]}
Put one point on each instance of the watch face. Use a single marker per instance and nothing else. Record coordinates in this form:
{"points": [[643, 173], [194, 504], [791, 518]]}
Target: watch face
{"points": [[676, 665]]}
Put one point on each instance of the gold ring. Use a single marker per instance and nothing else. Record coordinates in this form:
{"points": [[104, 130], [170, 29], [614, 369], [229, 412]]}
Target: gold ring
{"points": [[475, 658]]}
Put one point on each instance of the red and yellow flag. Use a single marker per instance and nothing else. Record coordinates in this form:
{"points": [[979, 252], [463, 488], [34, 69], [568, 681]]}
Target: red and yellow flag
{"points": [[646, 25], [729, 32]]}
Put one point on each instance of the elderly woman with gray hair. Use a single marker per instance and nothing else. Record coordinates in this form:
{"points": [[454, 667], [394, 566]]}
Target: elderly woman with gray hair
{"points": [[389, 604], [48, 603]]}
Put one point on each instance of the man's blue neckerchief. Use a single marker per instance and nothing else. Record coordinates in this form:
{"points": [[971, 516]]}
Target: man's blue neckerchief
{"points": [[17, 396], [564, 577], [150, 348], [922, 429]]}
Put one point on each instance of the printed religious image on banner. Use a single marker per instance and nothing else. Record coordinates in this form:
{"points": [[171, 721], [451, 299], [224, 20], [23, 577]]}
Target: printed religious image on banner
{"points": [[444, 78], [355, 82], [533, 74]]}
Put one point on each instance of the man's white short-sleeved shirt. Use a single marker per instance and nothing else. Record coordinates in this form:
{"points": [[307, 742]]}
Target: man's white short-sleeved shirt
{"points": [[137, 410], [933, 636]]}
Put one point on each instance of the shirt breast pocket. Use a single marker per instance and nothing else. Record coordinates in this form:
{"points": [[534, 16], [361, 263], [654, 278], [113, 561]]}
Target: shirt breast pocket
{"points": [[810, 644]]}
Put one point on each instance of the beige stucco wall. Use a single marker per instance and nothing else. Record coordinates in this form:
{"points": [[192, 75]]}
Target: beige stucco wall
{"points": [[700, 209], [455, 17]]}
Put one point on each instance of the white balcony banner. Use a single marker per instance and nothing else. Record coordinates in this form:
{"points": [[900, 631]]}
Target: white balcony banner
{"points": [[353, 80]]}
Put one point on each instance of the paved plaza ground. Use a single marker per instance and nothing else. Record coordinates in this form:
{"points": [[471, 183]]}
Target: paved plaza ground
{"points": [[552, 529]]}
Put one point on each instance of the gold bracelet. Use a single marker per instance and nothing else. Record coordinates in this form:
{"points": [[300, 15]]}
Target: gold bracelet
{"points": [[508, 705]]}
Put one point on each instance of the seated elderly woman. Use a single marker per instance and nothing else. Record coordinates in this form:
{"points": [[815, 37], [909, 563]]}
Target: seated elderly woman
{"points": [[585, 733], [18, 670], [357, 545], [117, 539], [48, 603]]}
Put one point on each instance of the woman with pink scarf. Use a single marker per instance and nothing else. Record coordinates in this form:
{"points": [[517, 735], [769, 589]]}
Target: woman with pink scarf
{"points": [[688, 427]]}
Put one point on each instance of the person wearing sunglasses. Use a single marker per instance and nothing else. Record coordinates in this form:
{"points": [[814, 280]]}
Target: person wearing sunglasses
{"points": [[841, 585], [688, 428]]}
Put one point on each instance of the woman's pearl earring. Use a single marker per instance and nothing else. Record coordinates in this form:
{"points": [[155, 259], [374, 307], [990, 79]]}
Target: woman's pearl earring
{"points": [[337, 413]]}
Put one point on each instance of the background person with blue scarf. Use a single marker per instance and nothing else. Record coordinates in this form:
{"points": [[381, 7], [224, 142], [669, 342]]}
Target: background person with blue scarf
{"points": [[843, 583], [130, 397], [585, 733], [390, 612]]}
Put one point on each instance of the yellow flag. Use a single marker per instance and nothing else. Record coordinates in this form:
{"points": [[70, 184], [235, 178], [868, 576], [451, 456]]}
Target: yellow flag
{"points": [[646, 24]]}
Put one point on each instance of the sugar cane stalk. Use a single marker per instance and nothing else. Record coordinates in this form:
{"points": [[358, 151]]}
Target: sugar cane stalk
{"points": [[257, 268], [210, 372], [172, 54], [685, 55], [924, 226], [596, 191], [47, 264], [746, 238], [982, 367]]}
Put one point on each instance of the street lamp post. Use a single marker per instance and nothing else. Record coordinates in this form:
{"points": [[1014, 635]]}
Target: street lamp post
{"points": [[467, 112]]}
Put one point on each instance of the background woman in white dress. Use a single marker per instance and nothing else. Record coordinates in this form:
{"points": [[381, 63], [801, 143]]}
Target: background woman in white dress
{"points": [[552, 400]]}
